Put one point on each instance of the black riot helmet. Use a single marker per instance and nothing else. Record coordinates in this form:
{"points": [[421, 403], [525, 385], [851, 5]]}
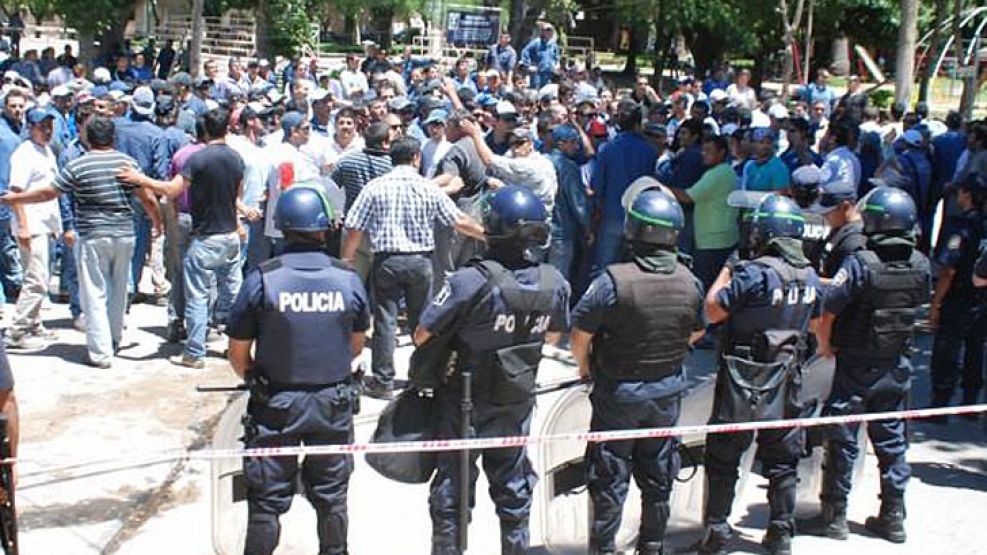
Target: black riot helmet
{"points": [[888, 210], [515, 215], [654, 218], [775, 217]]}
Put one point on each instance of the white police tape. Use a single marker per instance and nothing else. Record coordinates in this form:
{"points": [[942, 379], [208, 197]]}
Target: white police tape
{"points": [[513, 441]]}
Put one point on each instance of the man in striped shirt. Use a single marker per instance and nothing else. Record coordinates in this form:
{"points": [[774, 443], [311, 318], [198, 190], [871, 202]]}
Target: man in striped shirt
{"points": [[105, 221], [398, 212]]}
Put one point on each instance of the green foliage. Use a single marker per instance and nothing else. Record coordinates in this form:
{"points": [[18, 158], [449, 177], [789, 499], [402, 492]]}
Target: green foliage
{"points": [[882, 98], [88, 16], [290, 25]]}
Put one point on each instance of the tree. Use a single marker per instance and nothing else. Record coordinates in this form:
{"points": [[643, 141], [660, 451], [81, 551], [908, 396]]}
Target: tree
{"points": [[100, 20], [932, 54], [905, 61], [790, 28]]}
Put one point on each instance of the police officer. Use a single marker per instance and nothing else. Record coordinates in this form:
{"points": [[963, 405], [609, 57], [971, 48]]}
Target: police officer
{"points": [[499, 311], [837, 203], [954, 312], [765, 304], [870, 310], [631, 332], [307, 314], [805, 192]]}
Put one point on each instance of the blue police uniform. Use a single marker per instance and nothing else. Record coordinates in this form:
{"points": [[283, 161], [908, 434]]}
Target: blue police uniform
{"points": [[301, 308], [871, 376], [962, 323], [488, 326], [629, 404], [757, 299]]}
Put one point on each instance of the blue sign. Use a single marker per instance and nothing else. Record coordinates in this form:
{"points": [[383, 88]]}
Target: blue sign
{"points": [[472, 26]]}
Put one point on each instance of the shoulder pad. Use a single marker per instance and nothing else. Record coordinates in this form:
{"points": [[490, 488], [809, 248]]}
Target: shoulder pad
{"points": [[270, 265]]}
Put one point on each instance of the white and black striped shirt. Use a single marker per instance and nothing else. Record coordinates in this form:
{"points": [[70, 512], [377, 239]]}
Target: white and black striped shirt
{"points": [[102, 202]]}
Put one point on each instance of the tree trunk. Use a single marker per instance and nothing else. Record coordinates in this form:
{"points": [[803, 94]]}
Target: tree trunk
{"points": [[630, 67], [263, 30], [905, 61], [88, 52], [790, 28], [382, 19], [932, 53], [807, 55], [198, 32]]}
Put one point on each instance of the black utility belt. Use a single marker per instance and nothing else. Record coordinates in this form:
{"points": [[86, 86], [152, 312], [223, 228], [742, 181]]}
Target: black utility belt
{"points": [[310, 388], [415, 253]]}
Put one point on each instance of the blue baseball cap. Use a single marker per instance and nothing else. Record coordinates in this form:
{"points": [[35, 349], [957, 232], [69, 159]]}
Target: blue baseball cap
{"points": [[437, 116], [832, 193], [290, 121], [564, 133], [37, 115]]}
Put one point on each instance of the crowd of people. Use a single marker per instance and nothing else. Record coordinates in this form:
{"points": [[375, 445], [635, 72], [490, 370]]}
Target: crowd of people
{"points": [[111, 170]]}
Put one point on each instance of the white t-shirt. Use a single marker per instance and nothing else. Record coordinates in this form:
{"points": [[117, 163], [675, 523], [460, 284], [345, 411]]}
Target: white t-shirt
{"points": [[257, 169], [533, 171], [741, 98], [432, 153], [353, 81], [284, 155], [31, 167]]}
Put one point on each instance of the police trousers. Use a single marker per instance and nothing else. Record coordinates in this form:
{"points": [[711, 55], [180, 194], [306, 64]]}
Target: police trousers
{"points": [[958, 348], [862, 385], [654, 464], [287, 419], [778, 451], [509, 473]]}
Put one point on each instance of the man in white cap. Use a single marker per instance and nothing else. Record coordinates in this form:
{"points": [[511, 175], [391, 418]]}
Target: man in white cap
{"points": [[541, 56], [62, 101]]}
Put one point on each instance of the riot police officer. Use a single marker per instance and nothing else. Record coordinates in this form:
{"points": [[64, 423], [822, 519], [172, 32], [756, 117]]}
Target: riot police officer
{"points": [[805, 193], [954, 312], [837, 203], [870, 310], [498, 311], [307, 313], [765, 305], [631, 332]]}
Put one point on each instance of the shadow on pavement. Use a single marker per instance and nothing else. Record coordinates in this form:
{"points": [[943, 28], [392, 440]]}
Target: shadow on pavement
{"points": [[949, 476]]}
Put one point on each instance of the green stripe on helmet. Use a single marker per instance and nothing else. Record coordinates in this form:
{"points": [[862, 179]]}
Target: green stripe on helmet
{"points": [[650, 220]]}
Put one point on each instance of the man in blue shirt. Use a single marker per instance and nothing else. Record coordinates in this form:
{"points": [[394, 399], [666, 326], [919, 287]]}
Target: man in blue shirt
{"points": [[571, 215], [619, 162], [502, 57], [11, 127], [916, 167], [541, 56], [819, 91], [765, 171]]}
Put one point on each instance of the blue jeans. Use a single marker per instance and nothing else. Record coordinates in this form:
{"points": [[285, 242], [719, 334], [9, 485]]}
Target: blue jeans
{"points": [[256, 248], [176, 244], [69, 281], [208, 257], [11, 271], [104, 273], [142, 243], [609, 246]]}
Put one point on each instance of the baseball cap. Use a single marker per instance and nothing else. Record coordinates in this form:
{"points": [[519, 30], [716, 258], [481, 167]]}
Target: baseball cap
{"points": [[101, 76], [182, 78], [318, 95], [143, 101], [520, 134], [290, 121], [912, 137], [201, 82], [36, 116], [807, 175], [778, 111], [400, 103], [60, 91], [718, 95], [564, 133], [506, 109], [832, 193], [164, 105], [436, 116], [655, 129], [762, 133], [598, 129]]}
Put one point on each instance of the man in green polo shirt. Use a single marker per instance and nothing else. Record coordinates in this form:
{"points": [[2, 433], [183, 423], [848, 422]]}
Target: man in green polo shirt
{"points": [[715, 223]]}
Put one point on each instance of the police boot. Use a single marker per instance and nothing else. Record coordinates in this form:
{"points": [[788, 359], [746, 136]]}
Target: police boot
{"points": [[890, 522], [444, 550], [650, 548], [830, 522], [777, 541], [715, 540]]}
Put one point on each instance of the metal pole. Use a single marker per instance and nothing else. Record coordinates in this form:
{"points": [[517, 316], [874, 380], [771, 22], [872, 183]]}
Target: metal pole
{"points": [[464, 463], [808, 43]]}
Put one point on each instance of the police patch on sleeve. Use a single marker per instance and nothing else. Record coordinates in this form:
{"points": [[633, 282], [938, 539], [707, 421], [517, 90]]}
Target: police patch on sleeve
{"points": [[955, 241], [840, 278], [443, 295]]}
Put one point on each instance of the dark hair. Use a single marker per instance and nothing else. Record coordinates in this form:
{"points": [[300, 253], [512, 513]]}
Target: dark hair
{"points": [[404, 150], [99, 132], [217, 121], [693, 126], [799, 126], [201, 134], [719, 141], [954, 120], [377, 135], [347, 113], [459, 115], [296, 106]]}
